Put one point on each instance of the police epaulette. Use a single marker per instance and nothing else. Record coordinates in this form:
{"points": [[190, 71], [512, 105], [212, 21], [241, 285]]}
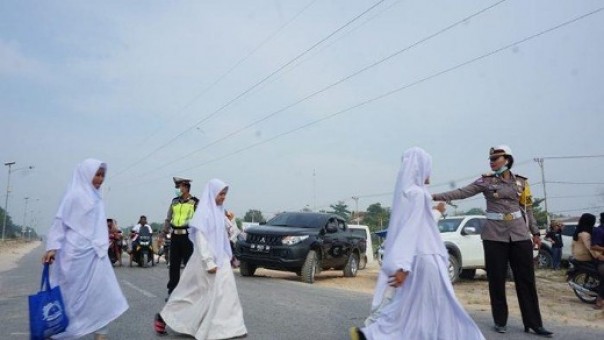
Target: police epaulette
{"points": [[525, 178]]}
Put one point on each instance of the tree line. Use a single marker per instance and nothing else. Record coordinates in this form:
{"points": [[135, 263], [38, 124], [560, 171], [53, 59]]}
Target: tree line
{"points": [[377, 217]]}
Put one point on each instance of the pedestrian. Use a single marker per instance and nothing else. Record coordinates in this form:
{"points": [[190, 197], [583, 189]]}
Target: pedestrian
{"points": [[180, 212], [506, 238], [76, 248], [555, 237], [414, 297], [205, 304]]}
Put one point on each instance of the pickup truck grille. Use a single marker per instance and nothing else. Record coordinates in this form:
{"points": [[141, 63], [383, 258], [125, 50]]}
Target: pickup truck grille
{"points": [[270, 240]]}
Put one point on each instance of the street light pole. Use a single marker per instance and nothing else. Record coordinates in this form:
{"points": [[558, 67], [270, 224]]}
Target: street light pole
{"points": [[24, 216], [9, 164]]}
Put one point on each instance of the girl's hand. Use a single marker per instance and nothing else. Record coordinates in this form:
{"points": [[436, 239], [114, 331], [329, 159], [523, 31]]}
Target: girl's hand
{"points": [[398, 279], [212, 271], [49, 256]]}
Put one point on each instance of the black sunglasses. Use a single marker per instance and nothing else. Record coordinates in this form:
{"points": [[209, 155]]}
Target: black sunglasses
{"points": [[494, 158]]}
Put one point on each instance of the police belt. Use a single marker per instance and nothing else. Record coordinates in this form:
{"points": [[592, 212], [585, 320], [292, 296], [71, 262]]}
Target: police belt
{"points": [[503, 216], [180, 230]]}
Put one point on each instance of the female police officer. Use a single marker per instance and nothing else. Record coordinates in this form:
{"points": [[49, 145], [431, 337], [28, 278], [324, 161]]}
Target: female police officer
{"points": [[506, 238]]}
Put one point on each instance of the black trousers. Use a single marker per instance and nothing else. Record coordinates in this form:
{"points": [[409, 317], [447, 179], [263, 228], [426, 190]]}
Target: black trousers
{"points": [[181, 249], [520, 257]]}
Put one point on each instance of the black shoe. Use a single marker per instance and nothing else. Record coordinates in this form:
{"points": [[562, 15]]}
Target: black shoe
{"points": [[500, 329], [539, 331]]}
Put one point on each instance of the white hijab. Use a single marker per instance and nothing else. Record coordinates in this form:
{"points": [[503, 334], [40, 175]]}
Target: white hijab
{"points": [[82, 209], [412, 230], [209, 219]]}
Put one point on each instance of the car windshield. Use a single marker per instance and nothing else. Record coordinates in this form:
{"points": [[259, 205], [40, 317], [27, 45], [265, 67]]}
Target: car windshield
{"points": [[449, 225], [569, 229], [298, 220], [359, 232]]}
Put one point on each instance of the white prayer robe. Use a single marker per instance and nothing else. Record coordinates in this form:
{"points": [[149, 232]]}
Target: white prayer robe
{"points": [[425, 306], [91, 293], [205, 305]]}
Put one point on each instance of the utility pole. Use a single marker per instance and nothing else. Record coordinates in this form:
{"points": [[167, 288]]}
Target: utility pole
{"points": [[356, 208], [314, 189], [24, 216], [540, 161], [9, 165]]}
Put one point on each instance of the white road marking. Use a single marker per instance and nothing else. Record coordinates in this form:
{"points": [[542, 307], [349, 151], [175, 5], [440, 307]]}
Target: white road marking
{"points": [[140, 290]]}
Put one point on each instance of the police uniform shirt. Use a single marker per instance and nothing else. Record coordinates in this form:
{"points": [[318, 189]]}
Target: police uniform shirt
{"points": [[502, 196]]}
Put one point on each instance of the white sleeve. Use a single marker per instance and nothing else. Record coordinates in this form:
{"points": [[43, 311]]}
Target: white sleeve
{"points": [[56, 235], [207, 257]]}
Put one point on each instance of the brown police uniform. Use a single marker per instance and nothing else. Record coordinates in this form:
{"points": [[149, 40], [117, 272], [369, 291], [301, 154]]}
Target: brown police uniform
{"points": [[506, 239]]}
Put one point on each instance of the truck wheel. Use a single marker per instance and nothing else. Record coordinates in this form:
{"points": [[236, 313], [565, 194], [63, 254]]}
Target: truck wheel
{"points": [[352, 265], [246, 269], [454, 268], [363, 262], [309, 269]]}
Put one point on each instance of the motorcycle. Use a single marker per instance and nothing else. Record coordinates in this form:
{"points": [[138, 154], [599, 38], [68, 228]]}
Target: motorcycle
{"points": [[583, 279], [142, 249], [165, 249], [115, 248]]}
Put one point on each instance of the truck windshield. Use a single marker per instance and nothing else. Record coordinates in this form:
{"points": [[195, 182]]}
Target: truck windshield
{"points": [[298, 220], [449, 225]]}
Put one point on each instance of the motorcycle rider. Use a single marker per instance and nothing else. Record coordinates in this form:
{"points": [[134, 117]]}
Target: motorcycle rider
{"points": [[115, 240], [142, 223]]}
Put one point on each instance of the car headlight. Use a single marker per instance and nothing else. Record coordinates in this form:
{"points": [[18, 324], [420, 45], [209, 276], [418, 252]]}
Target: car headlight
{"points": [[291, 240]]}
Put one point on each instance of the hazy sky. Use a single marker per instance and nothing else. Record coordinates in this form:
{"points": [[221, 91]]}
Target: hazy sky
{"points": [[239, 90]]}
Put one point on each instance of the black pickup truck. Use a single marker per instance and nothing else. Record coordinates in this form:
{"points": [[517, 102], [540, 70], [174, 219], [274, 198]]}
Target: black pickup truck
{"points": [[300, 242]]}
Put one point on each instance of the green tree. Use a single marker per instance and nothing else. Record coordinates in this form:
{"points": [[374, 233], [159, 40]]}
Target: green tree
{"points": [[539, 213], [11, 231], [341, 209], [377, 217], [254, 215]]}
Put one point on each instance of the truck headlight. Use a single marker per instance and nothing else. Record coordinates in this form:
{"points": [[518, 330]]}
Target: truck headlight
{"points": [[291, 240]]}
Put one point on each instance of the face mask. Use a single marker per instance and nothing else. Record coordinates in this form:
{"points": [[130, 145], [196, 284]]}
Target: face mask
{"points": [[177, 192], [501, 170]]}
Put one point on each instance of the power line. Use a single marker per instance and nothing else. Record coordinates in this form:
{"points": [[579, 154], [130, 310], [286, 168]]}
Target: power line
{"points": [[399, 89], [574, 183], [572, 157], [232, 68], [580, 209], [346, 78], [255, 85]]}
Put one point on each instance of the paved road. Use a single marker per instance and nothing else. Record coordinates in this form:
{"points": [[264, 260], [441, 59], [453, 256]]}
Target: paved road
{"points": [[273, 309]]}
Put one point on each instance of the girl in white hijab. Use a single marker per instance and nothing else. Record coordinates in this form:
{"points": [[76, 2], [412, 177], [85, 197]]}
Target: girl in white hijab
{"points": [[414, 298], [77, 243], [205, 304]]}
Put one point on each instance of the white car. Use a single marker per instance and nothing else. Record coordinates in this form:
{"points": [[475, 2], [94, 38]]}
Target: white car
{"points": [[461, 235]]}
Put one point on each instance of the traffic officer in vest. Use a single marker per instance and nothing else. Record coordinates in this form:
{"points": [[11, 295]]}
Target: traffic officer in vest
{"points": [[508, 237], [180, 213]]}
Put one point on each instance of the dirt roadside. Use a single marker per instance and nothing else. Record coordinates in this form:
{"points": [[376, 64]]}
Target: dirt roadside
{"points": [[11, 251], [559, 305]]}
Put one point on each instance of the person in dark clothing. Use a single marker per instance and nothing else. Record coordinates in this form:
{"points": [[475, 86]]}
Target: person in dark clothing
{"points": [[597, 244], [555, 237]]}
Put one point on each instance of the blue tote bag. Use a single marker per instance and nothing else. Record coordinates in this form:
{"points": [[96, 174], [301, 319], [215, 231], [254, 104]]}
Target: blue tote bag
{"points": [[46, 310]]}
